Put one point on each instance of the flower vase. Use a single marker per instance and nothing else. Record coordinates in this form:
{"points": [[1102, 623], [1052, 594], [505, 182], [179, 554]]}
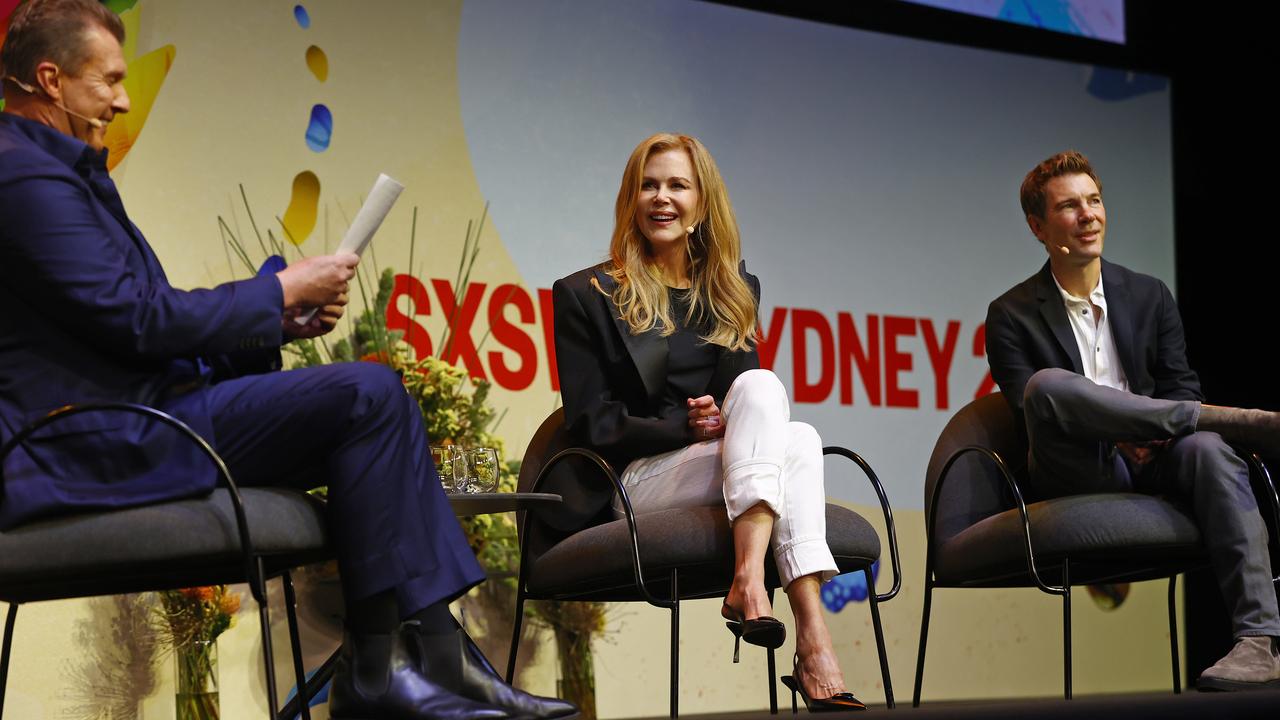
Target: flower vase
{"points": [[577, 682], [196, 684]]}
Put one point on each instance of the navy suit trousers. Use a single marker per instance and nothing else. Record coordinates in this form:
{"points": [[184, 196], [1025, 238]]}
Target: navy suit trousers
{"points": [[354, 428]]}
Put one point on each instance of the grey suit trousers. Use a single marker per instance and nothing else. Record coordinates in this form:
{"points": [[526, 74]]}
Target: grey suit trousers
{"points": [[1072, 427]]}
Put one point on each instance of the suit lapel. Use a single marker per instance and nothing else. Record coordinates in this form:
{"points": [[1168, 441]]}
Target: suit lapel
{"points": [[1118, 308], [1055, 316], [648, 350], [104, 189]]}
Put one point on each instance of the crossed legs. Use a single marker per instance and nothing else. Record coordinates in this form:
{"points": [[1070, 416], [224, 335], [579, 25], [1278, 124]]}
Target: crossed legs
{"points": [[1072, 425], [353, 427], [767, 471], [774, 468]]}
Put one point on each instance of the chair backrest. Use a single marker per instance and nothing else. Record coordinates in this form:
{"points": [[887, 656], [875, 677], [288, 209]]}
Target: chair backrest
{"points": [[587, 492], [974, 488]]}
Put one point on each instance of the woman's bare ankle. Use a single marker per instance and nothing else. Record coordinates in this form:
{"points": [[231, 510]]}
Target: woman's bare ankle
{"points": [[748, 598], [819, 672]]}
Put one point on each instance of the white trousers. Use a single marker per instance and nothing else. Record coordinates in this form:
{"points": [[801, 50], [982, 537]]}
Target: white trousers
{"points": [[763, 457]]}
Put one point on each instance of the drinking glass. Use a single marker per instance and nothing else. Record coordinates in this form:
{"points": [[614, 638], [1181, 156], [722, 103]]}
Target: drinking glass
{"points": [[483, 470], [451, 464]]}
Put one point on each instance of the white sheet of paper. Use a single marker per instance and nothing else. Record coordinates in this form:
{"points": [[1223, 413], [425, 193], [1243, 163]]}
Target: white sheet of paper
{"points": [[386, 190]]}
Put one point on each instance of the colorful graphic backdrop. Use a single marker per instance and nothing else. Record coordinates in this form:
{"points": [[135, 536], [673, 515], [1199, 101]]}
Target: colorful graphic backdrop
{"points": [[875, 179]]}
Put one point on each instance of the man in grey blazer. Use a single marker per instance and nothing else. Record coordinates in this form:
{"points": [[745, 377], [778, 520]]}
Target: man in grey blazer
{"points": [[1091, 357]]}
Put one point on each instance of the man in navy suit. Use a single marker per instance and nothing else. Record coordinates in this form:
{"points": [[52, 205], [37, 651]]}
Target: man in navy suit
{"points": [[89, 316], [1091, 357]]}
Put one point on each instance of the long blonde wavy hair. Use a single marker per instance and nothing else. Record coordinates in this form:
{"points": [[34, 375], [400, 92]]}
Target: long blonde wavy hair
{"points": [[719, 292]]}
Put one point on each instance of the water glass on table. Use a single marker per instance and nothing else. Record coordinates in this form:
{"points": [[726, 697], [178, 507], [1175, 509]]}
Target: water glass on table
{"points": [[482, 470], [451, 464]]}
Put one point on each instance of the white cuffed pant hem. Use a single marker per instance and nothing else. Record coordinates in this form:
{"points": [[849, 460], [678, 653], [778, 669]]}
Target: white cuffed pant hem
{"points": [[804, 556], [750, 482]]}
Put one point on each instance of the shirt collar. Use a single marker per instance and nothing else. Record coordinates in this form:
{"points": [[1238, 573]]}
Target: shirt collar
{"points": [[70, 151], [1096, 296]]}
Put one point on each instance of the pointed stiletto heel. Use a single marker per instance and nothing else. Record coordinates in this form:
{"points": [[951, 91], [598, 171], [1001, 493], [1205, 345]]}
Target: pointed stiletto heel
{"points": [[840, 702], [764, 631]]}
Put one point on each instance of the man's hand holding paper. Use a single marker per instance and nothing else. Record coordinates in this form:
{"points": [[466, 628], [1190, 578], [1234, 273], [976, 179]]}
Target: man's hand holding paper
{"points": [[316, 282]]}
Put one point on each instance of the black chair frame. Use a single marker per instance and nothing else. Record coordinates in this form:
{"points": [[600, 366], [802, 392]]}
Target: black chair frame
{"points": [[672, 603], [1095, 575], [252, 567], [1264, 487]]}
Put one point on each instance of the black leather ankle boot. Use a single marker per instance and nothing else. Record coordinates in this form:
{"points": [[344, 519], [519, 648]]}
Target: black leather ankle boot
{"points": [[452, 659], [378, 678]]}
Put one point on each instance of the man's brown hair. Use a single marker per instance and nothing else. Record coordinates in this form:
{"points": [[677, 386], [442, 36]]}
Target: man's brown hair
{"points": [[1069, 162], [53, 30]]}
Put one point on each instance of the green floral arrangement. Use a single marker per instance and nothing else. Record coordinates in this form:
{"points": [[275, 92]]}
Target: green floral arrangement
{"points": [[455, 410], [196, 614], [455, 407]]}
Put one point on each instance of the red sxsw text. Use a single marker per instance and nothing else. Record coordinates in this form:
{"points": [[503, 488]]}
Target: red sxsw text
{"points": [[845, 353]]}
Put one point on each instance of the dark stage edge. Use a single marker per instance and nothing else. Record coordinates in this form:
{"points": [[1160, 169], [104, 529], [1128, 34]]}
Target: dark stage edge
{"points": [[1191, 704]]}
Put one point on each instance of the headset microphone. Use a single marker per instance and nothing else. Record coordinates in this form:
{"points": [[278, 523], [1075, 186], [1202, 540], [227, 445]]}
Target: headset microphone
{"points": [[95, 122]]}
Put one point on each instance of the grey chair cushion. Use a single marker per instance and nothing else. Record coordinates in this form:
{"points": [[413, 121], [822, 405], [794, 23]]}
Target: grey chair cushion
{"points": [[186, 532], [1100, 529], [597, 561]]}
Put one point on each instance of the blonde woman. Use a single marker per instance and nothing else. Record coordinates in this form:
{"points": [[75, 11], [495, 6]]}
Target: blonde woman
{"points": [[659, 372]]}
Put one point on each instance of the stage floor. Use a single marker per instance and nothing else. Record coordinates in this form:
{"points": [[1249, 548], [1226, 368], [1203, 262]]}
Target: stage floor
{"points": [[1162, 706]]}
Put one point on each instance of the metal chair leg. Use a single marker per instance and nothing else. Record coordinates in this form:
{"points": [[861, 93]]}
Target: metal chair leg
{"points": [[264, 619], [875, 624], [773, 672], [924, 635], [515, 636], [1173, 636], [295, 646], [675, 645], [1066, 629], [773, 681], [10, 620]]}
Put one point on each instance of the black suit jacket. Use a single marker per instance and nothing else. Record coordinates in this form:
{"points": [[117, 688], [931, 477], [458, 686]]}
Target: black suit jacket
{"points": [[1028, 330], [612, 381]]}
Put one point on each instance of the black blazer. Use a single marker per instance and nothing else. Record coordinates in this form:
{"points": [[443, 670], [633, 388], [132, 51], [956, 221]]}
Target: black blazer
{"points": [[612, 381], [1028, 330]]}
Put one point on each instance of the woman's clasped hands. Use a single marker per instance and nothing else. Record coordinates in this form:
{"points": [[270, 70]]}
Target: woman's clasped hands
{"points": [[705, 418]]}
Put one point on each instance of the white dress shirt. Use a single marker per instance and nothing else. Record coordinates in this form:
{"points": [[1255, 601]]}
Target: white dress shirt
{"points": [[1094, 339]]}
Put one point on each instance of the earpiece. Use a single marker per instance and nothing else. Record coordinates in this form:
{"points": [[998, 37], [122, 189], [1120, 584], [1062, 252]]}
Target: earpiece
{"points": [[32, 91]]}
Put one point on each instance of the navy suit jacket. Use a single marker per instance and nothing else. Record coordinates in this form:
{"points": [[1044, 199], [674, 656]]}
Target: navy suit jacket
{"points": [[612, 381], [1028, 330], [86, 314]]}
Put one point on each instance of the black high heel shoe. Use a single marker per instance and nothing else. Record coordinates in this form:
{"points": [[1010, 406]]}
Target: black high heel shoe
{"points": [[764, 631], [840, 702]]}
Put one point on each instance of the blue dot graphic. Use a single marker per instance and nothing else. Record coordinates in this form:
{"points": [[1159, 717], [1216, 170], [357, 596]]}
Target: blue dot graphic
{"points": [[844, 589], [300, 14], [320, 129]]}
